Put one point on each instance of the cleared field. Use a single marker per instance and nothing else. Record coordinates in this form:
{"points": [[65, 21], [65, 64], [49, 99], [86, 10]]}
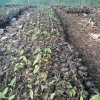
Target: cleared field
{"points": [[39, 60]]}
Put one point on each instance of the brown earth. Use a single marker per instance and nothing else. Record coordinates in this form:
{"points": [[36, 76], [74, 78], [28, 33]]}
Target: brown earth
{"points": [[78, 28]]}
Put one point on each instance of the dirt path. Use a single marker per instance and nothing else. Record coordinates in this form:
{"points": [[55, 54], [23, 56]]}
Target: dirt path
{"points": [[79, 36]]}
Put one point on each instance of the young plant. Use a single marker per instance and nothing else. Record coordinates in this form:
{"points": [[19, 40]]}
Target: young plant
{"points": [[95, 97], [31, 94], [41, 54], [20, 60], [3, 94]]}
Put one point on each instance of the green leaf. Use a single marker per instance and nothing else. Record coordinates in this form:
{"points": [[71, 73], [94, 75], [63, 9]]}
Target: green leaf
{"points": [[72, 93], [5, 91], [52, 96], [24, 59], [52, 82], [31, 93], [95, 97], [46, 33], [49, 56], [38, 50], [11, 97], [12, 81], [29, 86], [38, 58], [46, 96], [2, 95], [34, 36], [48, 50], [81, 98], [21, 52], [36, 69]]}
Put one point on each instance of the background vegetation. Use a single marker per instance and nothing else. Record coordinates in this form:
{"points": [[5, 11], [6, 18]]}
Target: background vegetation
{"points": [[53, 2]]}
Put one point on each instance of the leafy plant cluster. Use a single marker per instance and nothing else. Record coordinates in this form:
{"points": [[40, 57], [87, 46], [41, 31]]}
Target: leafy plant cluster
{"points": [[41, 54], [5, 93]]}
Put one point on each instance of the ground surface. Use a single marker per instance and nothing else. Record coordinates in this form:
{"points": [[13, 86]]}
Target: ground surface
{"points": [[83, 33], [41, 63]]}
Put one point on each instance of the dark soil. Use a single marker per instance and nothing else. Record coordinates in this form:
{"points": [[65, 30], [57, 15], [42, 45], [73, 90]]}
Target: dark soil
{"points": [[78, 32]]}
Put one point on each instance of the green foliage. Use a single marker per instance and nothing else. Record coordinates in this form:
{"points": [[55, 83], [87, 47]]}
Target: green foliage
{"points": [[40, 54], [36, 69], [3, 95], [45, 33], [52, 96], [52, 2], [95, 97], [38, 58], [20, 60], [81, 98], [11, 97], [12, 82], [31, 94]]}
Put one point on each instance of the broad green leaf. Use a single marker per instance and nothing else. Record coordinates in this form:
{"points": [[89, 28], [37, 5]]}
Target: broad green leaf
{"points": [[24, 59], [46, 33], [46, 96], [29, 86], [21, 52], [81, 98], [37, 50], [37, 60], [95, 97], [2, 95], [31, 93], [49, 56], [52, 96], [52, 82], [48, 50], [34, 36], [36, 69], [12, 81], [11, 97], [5, 91], [72, 93]]}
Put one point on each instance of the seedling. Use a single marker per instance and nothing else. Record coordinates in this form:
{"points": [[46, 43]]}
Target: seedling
{"points": [[45, 33], [41, 54], [31, 94], [95, 97], [3, 94]]}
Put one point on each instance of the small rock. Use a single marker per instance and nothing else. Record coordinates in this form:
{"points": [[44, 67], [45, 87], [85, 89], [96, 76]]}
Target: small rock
{"points": [[2, 50], [89, 84], [13, 20], [76, 54], [58, 47], [20, 27], [80, 60], [81, 73], [1, 31], [13, 34], [64, 69], [82, 68], [84, 14], [4, 37], [78, 64]]}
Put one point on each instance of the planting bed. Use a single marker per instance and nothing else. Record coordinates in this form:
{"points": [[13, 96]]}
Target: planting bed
{"points": [[37, 61], [83, 33]]}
